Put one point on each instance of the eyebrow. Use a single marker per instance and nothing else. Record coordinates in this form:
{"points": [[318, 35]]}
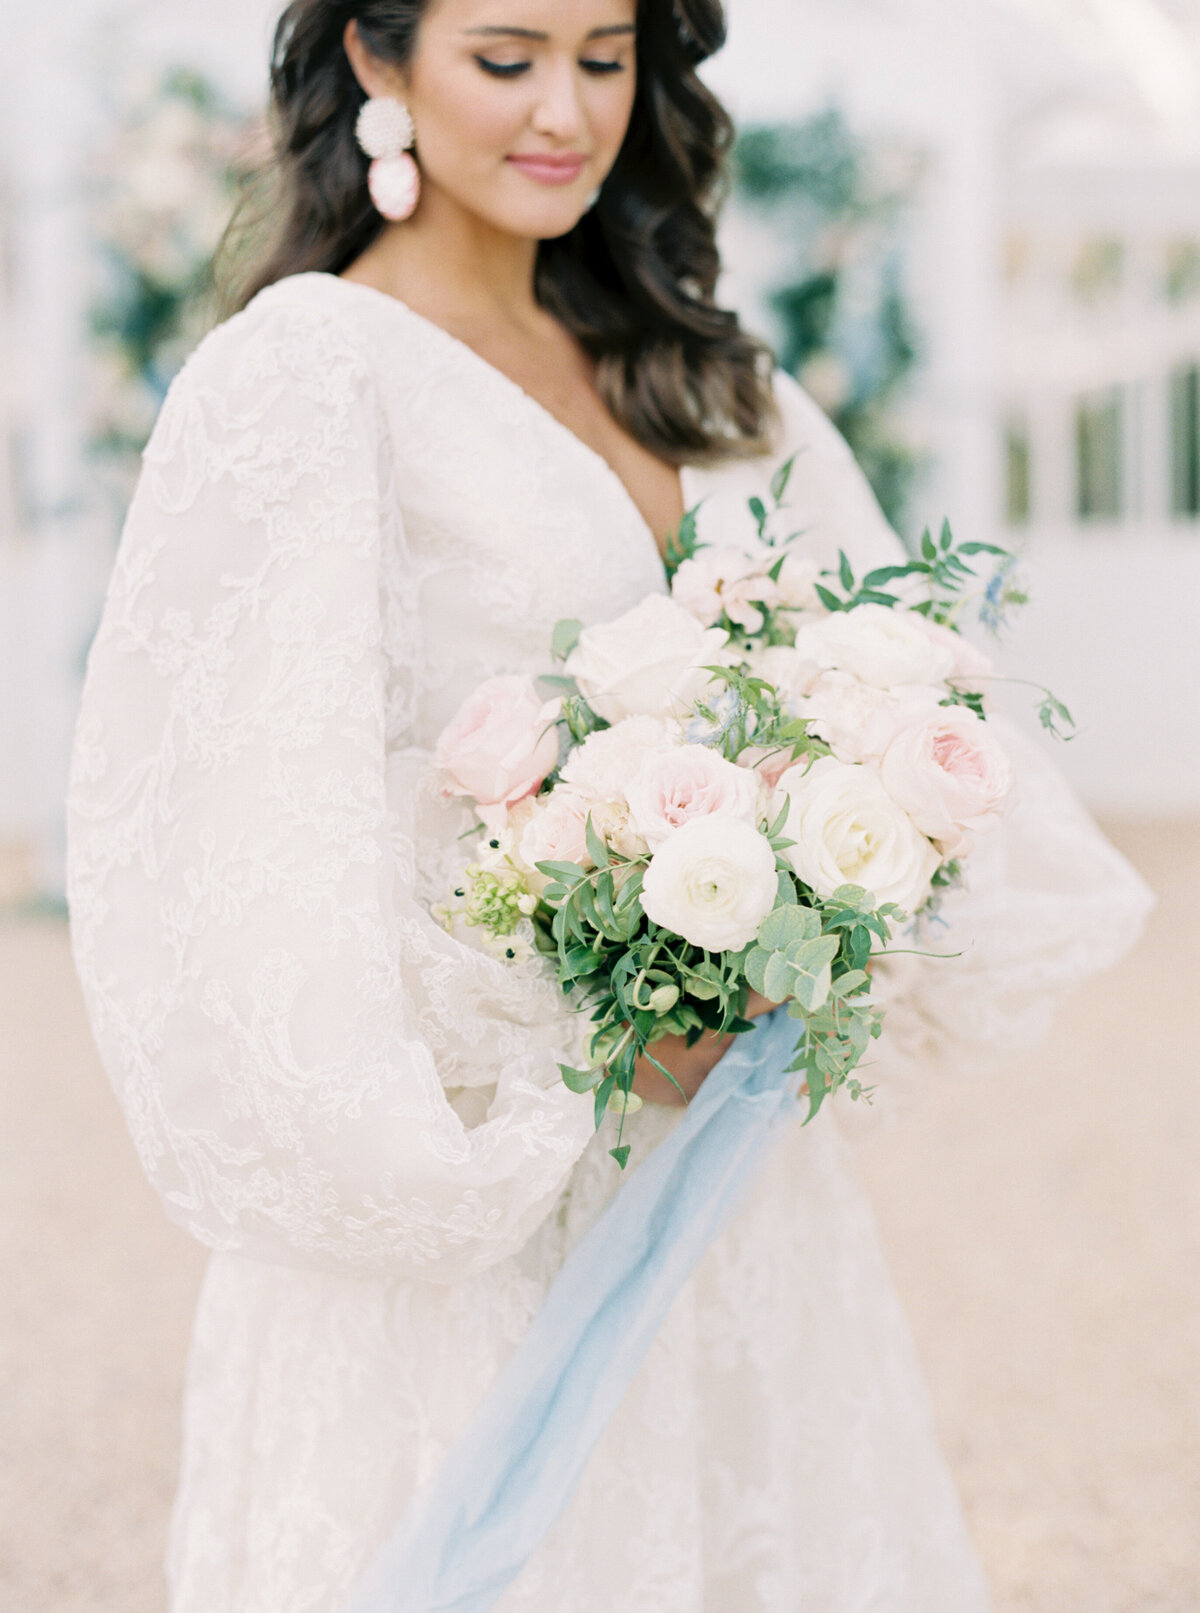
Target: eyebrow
{"points": [[533, 33]]}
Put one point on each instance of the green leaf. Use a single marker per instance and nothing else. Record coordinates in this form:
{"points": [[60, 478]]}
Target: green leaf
{"points": [[928, 546], [565, 637], [597, 850], [830, 601], [779, 482], [883, 575], [755, 968], [603, 1093], [853, 980], [621, 1155], [845, 571], [759, 511], [786, 925], [777, 978], [811, 977], [581, 1080], [571, 873]]}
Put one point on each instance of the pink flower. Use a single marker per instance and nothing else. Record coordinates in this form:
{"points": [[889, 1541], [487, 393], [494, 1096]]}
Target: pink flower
{"points": [[726, 581], [859, 721], [972, 668], [676, 786], [950, 775], [556, 832], [500, 745], [770, 765]]}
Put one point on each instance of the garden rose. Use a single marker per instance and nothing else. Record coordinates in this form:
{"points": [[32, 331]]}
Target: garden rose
{"points": [[649, 662], [500, 744], [848, 831], [726, 581], [556, 832], [880, 646], [687, 782], [972, 669], [713, 881], [608, 759], [950, 775]]}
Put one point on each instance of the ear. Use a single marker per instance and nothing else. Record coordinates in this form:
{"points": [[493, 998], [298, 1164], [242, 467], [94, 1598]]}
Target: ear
{"points": [[375, 76]]}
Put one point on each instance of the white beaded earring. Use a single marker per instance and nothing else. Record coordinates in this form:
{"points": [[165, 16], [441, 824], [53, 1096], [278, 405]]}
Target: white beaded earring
{"points": [[385, 132]]}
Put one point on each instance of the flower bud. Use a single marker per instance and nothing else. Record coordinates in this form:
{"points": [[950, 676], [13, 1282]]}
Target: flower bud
{"points": [[622, 1103], [663, 999]]}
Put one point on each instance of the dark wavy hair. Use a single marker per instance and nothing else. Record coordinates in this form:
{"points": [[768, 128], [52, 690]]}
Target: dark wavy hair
{"points": [[634, 281]]}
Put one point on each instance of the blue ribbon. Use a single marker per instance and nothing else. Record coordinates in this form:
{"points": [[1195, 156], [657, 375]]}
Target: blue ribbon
{"points": [[469, 1532]]}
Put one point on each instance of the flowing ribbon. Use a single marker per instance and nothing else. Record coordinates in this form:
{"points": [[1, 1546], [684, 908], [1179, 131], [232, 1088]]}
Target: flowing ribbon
{"points": [[468, 1533]]}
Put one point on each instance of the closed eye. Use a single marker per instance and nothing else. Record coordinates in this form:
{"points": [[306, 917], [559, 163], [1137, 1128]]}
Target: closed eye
{"points": [[515, 69]]}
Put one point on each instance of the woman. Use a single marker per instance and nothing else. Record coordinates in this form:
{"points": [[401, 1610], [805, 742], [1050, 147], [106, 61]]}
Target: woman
{"points": [[423, 441]]}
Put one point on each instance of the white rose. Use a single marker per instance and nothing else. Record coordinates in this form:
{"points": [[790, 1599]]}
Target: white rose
{"points": [[726, 581], [878, 645], [606, 761], [649, 662], [848, 831], [713, 882], [859, 721], [950, 775], [686, 782], [972, 669]]}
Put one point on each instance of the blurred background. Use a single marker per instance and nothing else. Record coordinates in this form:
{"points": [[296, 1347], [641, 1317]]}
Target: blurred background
{"points": [[972, 229]]}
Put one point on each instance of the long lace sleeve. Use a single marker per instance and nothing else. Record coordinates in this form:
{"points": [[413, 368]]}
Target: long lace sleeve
{"points": [[313, 1072], [1047, 901]]}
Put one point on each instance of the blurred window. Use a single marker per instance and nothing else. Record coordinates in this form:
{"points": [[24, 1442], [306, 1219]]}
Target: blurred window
{"points": [[1099, 432], [1185, 441], [1018, 459], [1183, 270], [1099, 269]]}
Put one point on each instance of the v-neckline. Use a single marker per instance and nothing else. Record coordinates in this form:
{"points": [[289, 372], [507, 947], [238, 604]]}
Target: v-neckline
{"points": [[506, 380]]}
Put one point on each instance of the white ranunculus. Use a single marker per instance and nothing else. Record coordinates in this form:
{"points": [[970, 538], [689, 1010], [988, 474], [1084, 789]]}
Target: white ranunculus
{"points": [[607, 760], [880, 646], [848, 831], [689, 781], [713, 882], [649, 662], [951, 775]]}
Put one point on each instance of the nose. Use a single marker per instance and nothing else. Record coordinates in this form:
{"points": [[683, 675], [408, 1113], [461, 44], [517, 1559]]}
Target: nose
{"points": [[559, 113]]}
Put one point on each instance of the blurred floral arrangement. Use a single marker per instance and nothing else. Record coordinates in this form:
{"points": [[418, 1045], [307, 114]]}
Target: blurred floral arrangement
{"points": [[163, 189], [844, 329]]}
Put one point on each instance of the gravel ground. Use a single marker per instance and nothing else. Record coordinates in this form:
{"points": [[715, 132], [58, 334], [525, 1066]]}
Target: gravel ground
{"points": [[1043, 1228]]}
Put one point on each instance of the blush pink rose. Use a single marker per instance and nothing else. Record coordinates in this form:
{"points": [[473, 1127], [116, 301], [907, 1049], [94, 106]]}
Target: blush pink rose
{"points": [[555, 832], [950, 775], [689, 781], [501, 743], [972, 669], [770, 765]]}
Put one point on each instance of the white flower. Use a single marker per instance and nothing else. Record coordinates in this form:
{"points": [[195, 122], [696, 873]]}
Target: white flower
{"points": [[797, 582], [859, 721], [950, 775], [726, 581], [649, 662], [972, 669], [687, 782], [878, 645], [791, 673], [713, 882], [614, 824], [606, 761], [848, 831]]}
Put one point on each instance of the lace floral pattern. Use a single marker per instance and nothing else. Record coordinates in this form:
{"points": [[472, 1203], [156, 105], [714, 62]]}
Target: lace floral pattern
{"points": [[345, 520]]}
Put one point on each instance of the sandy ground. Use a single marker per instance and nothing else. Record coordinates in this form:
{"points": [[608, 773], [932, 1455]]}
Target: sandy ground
{"points": [[1043, 1227]]}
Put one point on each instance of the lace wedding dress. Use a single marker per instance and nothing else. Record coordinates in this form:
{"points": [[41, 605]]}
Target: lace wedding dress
{"points": [[346, 519]]}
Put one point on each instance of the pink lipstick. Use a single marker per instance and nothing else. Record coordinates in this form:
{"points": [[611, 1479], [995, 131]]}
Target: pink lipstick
{"points": [[550, 170]]}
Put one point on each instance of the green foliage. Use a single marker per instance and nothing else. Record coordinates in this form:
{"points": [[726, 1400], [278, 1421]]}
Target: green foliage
{"points": [[841, 311]]}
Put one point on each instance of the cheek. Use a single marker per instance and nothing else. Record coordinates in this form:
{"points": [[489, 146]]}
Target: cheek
{"points": [[465, 121], [610, 107]]}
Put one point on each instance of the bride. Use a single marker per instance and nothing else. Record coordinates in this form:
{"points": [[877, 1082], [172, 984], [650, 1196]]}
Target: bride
{"points": [[473, 387]]}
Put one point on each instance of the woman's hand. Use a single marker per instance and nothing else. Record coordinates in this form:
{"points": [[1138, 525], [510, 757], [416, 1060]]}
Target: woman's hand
{"points": [[689, 1065]]}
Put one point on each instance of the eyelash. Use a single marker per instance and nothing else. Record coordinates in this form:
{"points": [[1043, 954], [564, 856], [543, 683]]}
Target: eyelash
{"points": [[515, 69]]}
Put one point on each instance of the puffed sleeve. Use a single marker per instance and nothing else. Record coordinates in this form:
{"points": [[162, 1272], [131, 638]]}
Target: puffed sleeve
{"points": [[1047, 900], [291, 1035]]}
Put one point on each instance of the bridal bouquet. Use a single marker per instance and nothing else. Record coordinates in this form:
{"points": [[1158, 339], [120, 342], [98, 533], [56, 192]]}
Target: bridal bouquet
{"points": [[749, 783]]}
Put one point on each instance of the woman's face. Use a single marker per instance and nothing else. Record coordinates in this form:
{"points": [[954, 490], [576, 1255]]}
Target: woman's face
{"points": [[521, 106]]}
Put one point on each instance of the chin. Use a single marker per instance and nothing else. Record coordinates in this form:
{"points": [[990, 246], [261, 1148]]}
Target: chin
{"points": [[539, 220]]}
